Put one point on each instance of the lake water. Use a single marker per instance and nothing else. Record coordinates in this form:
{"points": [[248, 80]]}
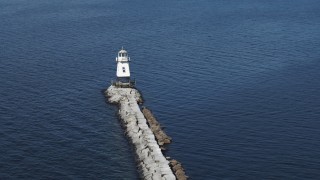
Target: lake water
{"points": [[235, 83]]}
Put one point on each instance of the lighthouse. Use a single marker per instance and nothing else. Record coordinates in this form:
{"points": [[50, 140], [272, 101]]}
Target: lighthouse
{"points": [[123, 70]]}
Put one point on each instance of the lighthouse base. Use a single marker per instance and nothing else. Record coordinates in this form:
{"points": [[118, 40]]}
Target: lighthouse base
{"points": [[124, 83]]}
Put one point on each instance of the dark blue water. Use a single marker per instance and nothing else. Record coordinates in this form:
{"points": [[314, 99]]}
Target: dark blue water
{"points": [[235, 83]]}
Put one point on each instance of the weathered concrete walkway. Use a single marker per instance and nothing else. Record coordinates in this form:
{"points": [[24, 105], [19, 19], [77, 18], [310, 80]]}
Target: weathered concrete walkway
{"points": [[151, 160]]}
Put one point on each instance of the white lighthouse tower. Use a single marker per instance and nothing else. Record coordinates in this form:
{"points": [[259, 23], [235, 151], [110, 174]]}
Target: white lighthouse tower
{"points": [[123, 70]]}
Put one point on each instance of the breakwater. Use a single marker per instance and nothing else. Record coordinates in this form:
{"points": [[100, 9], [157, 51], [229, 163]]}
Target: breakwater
{"points": [[151, 161], [163, 139]]}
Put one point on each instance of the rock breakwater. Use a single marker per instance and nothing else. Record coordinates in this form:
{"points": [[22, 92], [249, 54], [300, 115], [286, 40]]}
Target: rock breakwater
{"points": [[178, 170], [161, 137], [152, 163]]}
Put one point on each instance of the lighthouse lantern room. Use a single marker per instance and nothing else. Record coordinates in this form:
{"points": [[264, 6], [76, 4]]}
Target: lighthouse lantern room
{"points": [[123, 70]]}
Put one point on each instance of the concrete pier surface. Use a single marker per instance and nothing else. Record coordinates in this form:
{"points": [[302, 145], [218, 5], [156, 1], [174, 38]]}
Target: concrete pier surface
{"points": [[151, 161]]}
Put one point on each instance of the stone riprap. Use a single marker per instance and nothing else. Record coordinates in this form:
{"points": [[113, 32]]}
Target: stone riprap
{"points": [[178, 170], [151, 161], [161, 137]]}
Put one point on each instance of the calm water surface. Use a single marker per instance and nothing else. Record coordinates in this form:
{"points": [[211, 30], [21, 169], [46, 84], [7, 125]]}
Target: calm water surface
{"points": [[235, 83]]}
